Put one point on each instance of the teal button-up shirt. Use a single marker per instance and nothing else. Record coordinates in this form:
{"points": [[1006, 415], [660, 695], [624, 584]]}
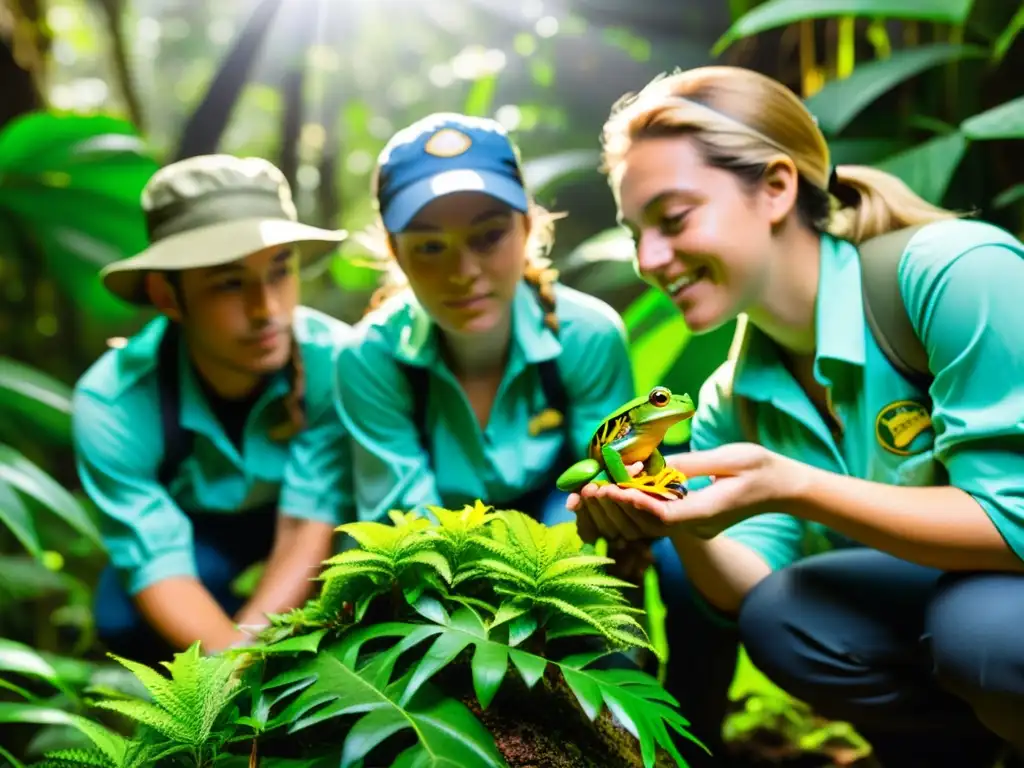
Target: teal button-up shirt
{"points": [[118, 442], [961, 282], [464, 462]]}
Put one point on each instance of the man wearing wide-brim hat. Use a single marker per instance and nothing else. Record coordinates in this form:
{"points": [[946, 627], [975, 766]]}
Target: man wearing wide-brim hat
{"points": [[210, 440]]}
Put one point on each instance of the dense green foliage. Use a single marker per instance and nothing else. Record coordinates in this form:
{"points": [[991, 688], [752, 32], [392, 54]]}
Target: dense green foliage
{"points": [[471, 592]]}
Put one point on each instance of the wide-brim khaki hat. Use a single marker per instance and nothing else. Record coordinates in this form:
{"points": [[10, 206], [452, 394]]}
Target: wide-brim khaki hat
{"points": [[212, 210]]}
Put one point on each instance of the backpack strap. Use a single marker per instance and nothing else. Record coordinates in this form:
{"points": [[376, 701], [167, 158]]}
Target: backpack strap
{"points": [[177, 440], [554, 388], [419, 386], [884, 308], [745, 408], [884, 311]]}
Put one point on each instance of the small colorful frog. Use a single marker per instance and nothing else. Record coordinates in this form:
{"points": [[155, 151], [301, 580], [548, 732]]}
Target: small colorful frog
{"points": [[630, 434]]}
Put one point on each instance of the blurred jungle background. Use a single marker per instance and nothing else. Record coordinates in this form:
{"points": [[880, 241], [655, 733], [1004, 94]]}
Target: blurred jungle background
{"points": [[96, 94]]}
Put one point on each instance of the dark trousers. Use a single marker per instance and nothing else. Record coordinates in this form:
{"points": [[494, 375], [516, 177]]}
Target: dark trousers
{"points": [[224, 546], [928, 666]]}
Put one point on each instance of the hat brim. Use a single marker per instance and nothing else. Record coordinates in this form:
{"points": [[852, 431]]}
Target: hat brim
{"points": [[216, 245], [406, 204]]}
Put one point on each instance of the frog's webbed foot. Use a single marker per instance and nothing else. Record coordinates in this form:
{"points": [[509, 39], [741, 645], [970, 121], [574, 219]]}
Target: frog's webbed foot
{"points": [[669, 484]]}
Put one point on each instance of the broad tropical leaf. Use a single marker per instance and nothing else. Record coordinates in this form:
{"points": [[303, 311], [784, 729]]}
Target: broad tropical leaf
{"points": [[929, 167], [840, 101], [543, 174], [111, 744], [636, 699], [780, 13], [334, 684], [71, 184], [21, 475], [22, 659], [864, 151], [1003, 122], [33, 399]]}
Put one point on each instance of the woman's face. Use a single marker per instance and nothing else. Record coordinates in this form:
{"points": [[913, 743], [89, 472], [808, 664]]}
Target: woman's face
{"points": [[701, 235], [463, 255]]}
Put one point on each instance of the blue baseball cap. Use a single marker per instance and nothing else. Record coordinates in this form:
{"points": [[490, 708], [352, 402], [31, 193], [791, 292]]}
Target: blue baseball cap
{"points": [[445, 153]]}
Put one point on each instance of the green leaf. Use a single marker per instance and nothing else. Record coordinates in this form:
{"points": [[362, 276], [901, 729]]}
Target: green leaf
{"points": [[929, 167], [37, 398], [530, 667], [840, 101], [27, 478], [655, 352], [18, 519], [1009, 196], [480, 96], [638, 702], [1005, 42], [113, 745], [780, 13], [71, 187], [187, 705], [75, 758], [490, 662], [1003, 122], [333, 684], [20, 658], [304, 643], [543, 174], [863, 151]]}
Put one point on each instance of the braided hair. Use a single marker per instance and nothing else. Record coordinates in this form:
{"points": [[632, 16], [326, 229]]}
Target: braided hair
{"points": [[294, 401]]}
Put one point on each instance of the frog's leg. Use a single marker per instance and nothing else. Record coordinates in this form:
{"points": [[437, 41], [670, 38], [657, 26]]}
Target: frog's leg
{"points": [[614, 465], [579, 474], [659, 479]]}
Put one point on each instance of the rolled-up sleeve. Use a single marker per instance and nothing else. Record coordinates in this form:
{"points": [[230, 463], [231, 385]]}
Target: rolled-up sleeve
{"points": [[391, 469], [966, 306], [776, 537], [147, 536], [317, 481]]}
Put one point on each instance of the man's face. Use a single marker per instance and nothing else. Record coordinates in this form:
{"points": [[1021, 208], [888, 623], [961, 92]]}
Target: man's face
{"points": [[237, 317]]}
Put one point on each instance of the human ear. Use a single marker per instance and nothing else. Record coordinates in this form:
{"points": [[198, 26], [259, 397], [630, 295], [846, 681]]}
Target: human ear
{"points": [[780, 185], [162, 295]]}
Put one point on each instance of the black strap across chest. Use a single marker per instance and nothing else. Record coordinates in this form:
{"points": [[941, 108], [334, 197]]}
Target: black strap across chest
{"points": [[178, 441], [419, 383]]}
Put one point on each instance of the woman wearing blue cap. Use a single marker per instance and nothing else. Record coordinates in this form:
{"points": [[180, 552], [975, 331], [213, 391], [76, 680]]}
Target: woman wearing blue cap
{"points": [[874, 402], [476, 376]]}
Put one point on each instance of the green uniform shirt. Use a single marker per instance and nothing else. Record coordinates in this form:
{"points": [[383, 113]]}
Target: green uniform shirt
{"points": [[118, 441], [961, 283], [497, 464]]}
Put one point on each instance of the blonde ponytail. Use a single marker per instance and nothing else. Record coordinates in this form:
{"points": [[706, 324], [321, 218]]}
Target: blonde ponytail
{"points": [[879, 203]]}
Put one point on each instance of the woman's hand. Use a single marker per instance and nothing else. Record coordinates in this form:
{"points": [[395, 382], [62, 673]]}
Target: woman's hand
{"points": [[747, 479]]}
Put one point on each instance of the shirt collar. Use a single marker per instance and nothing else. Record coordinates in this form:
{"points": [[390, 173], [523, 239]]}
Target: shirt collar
{"points": [[532, 340], [839, 327]]}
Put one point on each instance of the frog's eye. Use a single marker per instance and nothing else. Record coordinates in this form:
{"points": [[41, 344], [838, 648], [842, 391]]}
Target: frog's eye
{"points": [[659, 397]]}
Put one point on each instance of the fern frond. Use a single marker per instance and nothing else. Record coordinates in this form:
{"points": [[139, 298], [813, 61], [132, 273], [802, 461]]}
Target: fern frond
{"points": [[434, 560], [75, 758], [187, 705], [359, 556]]}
